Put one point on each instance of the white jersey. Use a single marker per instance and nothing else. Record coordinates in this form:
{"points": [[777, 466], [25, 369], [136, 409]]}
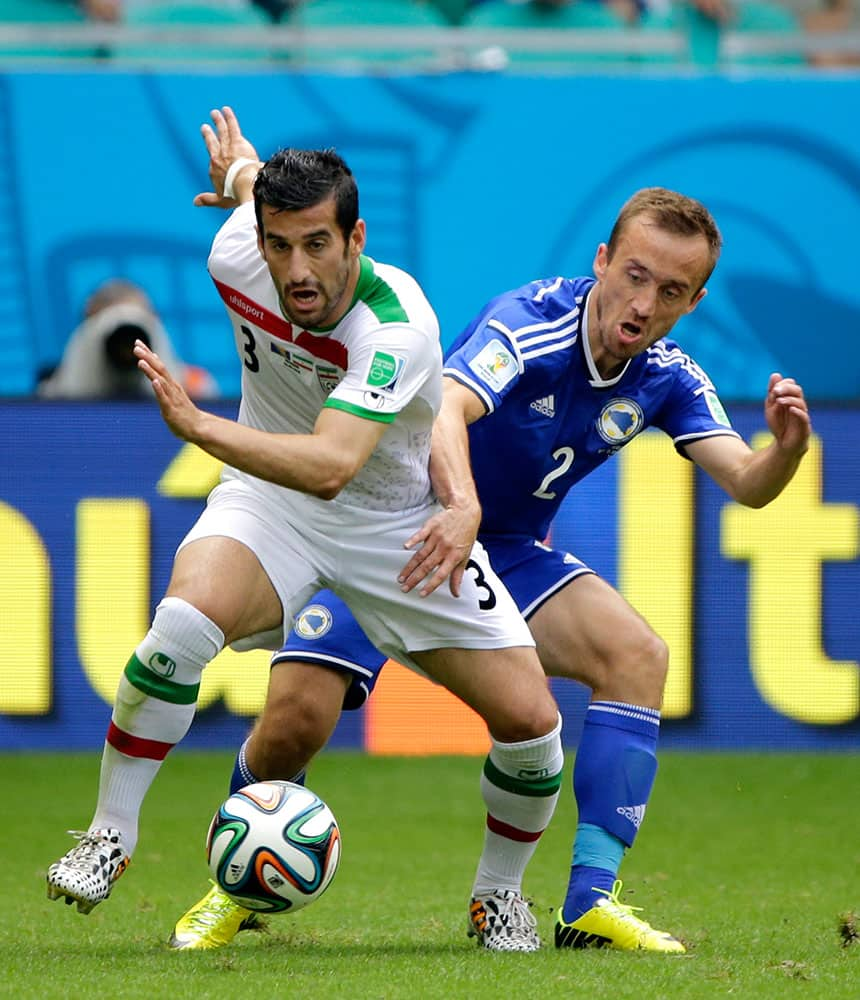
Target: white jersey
{"points": [[382, 360]]}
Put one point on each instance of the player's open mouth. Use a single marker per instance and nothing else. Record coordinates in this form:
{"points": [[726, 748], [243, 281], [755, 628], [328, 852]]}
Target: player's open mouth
{"points": [[630, 332], [304, 297]]}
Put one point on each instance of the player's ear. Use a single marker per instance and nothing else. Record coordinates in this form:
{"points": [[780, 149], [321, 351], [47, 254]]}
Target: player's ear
{"points": [[358, 238], [696, 299], [260, 245], [601, 259]]}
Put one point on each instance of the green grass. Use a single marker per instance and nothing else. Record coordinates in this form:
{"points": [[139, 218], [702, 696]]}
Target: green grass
{"points": [[750, 859]]}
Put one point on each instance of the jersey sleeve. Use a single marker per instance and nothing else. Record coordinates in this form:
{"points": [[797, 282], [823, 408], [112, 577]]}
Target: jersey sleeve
{"points": [[692, 409], [234, 248], [488, 361], [386, 371]]}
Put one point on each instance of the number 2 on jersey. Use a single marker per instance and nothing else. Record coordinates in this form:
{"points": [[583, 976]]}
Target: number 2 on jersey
{"points": [[565, 454]]}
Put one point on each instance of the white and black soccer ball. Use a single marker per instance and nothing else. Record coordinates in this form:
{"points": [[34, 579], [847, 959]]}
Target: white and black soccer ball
{"points": [[273, 846]]}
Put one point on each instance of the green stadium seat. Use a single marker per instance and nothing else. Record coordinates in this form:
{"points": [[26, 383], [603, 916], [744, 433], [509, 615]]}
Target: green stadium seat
{"points": [[41, 12], [584, 17], [770, 18], [188, 16], [653, 24], [705, 36], [368, 14], [454, 11]]}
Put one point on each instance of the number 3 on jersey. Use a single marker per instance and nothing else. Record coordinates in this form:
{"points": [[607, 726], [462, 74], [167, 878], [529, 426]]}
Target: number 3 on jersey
{"points": [[252, 362]]}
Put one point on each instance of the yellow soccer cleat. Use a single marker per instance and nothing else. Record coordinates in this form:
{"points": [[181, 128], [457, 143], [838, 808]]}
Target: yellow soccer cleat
{"points": [[212, 923], [611, 923]]}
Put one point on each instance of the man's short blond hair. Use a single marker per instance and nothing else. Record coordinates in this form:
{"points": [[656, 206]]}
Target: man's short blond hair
{"points": [[674, 213]]}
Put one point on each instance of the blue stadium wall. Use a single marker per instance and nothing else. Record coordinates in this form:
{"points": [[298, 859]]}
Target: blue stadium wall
{"points": [[475, 183], [759, 607]]}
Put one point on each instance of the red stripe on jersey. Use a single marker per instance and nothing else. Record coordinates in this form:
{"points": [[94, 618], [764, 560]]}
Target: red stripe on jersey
{"points": [[134, 746], [511, 832], [321, 347]]}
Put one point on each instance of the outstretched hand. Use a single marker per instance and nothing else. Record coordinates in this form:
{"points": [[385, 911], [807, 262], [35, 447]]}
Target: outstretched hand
{"points": [[445, 541], [225, 144], [180, 414], [787, 414]]}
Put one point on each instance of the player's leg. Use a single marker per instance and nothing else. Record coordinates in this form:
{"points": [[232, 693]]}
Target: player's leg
{"points": [[478, 646], [588, 632], [303, 704], [332, 665], [519, 784], [237, 573], [217, 590], [325, 666]]}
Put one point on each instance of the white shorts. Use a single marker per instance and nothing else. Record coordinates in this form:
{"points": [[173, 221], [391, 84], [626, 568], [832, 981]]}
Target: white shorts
{"points": [[359, 554]]}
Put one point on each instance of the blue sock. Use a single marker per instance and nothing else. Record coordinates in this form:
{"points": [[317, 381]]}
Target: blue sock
{"points": [[615, 767], [596, 859], [243, 775]]}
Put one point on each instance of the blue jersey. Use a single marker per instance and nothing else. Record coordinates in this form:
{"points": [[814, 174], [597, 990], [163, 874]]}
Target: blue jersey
{"points": [[551, 419]]}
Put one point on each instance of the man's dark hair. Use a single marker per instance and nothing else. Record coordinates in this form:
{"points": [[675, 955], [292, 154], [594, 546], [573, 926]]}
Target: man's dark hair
{"points": [[294, 179]]}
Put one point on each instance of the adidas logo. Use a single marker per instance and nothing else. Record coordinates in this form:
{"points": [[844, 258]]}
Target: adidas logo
{"points": [[634, 813], [545, 405]]}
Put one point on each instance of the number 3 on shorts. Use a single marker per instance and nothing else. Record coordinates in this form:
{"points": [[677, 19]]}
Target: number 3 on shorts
{"points": [[485, 603]]}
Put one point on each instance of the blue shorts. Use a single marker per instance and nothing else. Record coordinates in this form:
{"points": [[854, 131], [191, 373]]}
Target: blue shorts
{"points": [[326, 633]]}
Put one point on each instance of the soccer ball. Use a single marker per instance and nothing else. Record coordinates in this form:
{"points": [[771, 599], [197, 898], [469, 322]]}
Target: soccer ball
{"points": [[273, 846]]}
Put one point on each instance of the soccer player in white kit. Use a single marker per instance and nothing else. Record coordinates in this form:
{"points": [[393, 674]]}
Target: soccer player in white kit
{"points": [[326, 482], [556, 376]]}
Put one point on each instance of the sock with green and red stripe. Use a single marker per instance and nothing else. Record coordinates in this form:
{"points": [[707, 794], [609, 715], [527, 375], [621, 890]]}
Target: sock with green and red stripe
{"points": [[520, 784], [153, 710]]}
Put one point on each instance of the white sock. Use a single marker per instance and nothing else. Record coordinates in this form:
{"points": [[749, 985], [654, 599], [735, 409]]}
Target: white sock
{"points": [[153, 710], [520, 785]]}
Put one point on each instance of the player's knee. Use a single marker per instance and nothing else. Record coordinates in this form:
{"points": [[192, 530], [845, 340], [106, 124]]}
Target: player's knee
{"points": [[526, 720], [651, 658], [549, 716], [638, 665]]}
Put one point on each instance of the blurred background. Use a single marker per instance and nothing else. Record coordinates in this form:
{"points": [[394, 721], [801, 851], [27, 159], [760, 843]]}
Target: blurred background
{"points": [[494, 143]]}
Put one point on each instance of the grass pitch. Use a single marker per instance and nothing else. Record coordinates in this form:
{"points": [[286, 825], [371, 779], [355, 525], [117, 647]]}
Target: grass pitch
{"points": [[752, 860]]}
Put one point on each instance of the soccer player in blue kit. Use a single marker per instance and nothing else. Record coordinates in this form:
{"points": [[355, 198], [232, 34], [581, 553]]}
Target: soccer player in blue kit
{"points": [[542, 387]]}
